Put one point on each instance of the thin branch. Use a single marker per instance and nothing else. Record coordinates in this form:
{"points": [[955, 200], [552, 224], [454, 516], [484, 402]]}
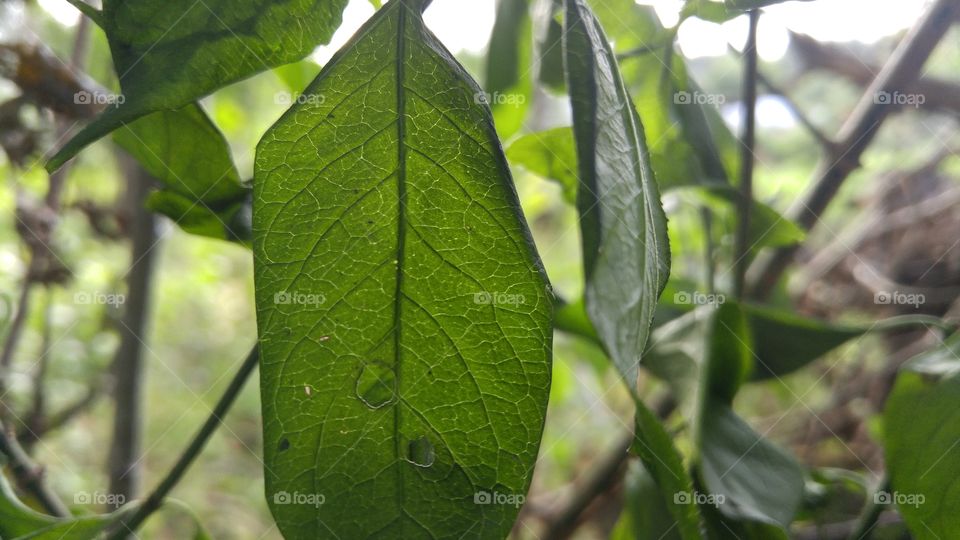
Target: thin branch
{"points": [[29, 476], [858, 132], [128, 365], [13, 338], [747, 143], [871, 512], [828, 145], [156, 498]]}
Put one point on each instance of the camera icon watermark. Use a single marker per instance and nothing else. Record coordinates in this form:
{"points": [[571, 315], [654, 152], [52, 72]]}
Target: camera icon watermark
{"points": [[899, 99], [499, 98], [515, 500], [89, 98], [297, 298], [285, 498], [697, 298], [289, 98], [698, 98], [900, 499], [98, 298], [897, 298], [112, 500], [486, 298], [695, 497]]}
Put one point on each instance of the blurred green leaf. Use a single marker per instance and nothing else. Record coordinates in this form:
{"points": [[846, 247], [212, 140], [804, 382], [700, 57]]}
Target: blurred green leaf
{"points": [[758, 481], [186, 152], [20, 522], [624, 229], [665, 465], [297, 75], [785, 342], [921, 430], [404, 318], [551, 154], [645, 513], [169, 53], [508, 82], [550, 49], [768, 228]]}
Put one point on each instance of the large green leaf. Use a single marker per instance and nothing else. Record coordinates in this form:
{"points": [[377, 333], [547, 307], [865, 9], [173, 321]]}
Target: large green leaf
{"points": [[186, 152], [665, 465], [168, 53], [624, 229], [921, 430], [20, 522], [404, 318], [509, 82]]}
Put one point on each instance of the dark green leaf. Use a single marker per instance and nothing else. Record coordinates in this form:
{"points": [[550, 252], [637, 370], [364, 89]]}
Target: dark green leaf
{"points": [[169, 53], [758, 481], [186, 152], [624, 229], [551, 154], [550, 49], [665, 465], [508, 81], [921, 430], [404, 319], [784, 342], [645, 513]]}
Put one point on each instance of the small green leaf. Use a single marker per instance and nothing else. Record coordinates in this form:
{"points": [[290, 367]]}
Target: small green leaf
{"points": [[921, 430], [169, 53], [665, 465], [186, 152], [404, 318], [508, 81], [551, 154], [624, 229]]}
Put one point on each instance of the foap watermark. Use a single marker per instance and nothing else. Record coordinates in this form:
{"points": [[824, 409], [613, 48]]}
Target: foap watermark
{"points": [[697, 298], [297, 498], [113, 500], [899, 99], [486, 298], [897, 298], [515, 500], [98, 298], [289, 98], [297, 298], [698, 98], [695, 497], [899, 499], [89, 98], [499, 98]]}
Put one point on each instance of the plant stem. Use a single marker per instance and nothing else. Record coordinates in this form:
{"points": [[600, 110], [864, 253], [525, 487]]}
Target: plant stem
{"points": [[871, 513], [747, 143], [29, 476], [155, 499], [128, 365]]}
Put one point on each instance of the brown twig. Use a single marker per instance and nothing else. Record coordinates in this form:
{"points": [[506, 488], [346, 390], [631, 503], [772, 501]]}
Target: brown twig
{"points": [[29, 476], [858, 132]]}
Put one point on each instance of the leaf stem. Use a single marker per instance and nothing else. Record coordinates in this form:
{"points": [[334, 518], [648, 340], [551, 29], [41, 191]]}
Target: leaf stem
{"points": [[871, 512], [155, 499], [747, 143]]}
